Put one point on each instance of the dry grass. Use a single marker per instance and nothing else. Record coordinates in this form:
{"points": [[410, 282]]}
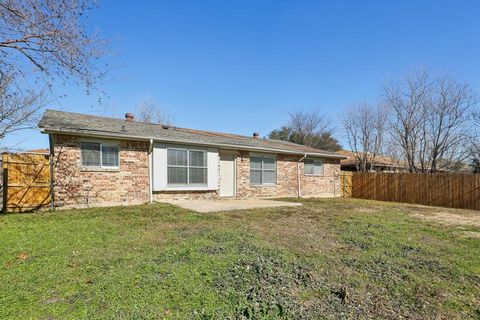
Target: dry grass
{"points": [[466, 218], [469, 234]]}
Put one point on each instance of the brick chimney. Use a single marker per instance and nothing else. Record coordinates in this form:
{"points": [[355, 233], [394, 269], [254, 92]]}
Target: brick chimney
{"points": [[129, 116], [256, 135]]}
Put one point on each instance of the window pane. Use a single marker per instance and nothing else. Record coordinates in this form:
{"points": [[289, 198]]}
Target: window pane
{"points": [[177, 175], [109, 156], [198, 175], [308, 166], [269, 177], [255, 177], [255, 163], [262, 170], [269, 163], [177, 157], [318, 167], [198, 159], [90, 154]]}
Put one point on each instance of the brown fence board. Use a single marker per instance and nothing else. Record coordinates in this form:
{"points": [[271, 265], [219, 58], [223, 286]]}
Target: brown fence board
{"points": [[26, 182], [439, 189]]}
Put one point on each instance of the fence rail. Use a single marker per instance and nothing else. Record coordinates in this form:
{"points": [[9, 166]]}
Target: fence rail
{"points": [[439, 189]]}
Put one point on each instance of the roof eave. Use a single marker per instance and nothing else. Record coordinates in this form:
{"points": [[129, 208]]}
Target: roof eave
{"points": [[220, 145]]}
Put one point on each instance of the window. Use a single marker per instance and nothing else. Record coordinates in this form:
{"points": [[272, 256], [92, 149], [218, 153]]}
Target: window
{"points": [[96, 154], [262, 170], [313, 167], [186, 167]]}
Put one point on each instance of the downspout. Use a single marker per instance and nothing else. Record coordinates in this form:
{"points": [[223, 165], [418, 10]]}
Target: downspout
{"points": [[51, 164], [298, 174], [150, 171]]}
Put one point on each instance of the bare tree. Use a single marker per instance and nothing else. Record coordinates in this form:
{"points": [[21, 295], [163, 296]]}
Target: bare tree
{"points": [[312, 129], [406, 106], [475, 142], [17, 107], [41, 42], [365, 127], [308, 128], [308, 124], [429, 119], [48, 38], [148, 110]]}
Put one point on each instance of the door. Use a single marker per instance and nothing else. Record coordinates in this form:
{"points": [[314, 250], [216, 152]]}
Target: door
{"points": [[227, 175]]}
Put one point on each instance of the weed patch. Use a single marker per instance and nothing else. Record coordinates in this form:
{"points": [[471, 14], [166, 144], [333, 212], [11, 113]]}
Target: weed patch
{"points": [[268, 286]]}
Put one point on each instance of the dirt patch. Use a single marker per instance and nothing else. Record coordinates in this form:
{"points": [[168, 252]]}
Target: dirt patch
{"points": [[300, 233], [22, 256], [450, 218]]}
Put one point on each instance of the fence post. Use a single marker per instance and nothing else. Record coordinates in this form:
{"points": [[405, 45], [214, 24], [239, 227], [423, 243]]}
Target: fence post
{"points": [[51, 155], [4, 182], [52, 199], [5, 189]]}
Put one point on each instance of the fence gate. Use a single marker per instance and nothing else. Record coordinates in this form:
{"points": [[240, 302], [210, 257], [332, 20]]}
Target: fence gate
{"points": [[26, 182], [346, 183]]}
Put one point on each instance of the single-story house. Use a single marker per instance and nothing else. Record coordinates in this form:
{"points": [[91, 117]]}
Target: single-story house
{"points": [[107, 161], [379, 163]]}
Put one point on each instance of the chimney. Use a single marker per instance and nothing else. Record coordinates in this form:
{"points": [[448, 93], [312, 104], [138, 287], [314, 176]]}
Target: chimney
{"points": [[256, 135], [129, 116]]}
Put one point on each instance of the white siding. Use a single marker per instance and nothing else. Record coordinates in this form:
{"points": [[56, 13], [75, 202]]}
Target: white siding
{"points": [[160, 167]]}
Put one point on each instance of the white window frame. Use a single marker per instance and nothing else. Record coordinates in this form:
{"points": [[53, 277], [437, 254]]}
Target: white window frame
{"points": [[314, 174], [261, 170], [188, 184], [101, 143]]}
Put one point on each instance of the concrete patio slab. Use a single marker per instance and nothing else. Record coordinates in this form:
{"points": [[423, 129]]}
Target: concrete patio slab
{"points": [[229, 204]]}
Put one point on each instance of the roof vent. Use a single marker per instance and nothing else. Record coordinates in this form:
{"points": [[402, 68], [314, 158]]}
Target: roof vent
{"points": [[165, 126], [256, 135], [129, 116]]}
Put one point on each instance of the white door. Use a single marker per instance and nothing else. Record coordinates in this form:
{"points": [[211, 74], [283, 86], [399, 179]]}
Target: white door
{"points": [[227, 175]]}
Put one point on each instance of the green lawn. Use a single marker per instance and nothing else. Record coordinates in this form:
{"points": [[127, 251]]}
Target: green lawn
{"points": [[327, 259]]}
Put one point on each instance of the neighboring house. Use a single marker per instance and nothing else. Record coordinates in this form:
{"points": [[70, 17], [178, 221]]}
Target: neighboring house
{"points": [[40, 151], [107, 161], [379, 164]]}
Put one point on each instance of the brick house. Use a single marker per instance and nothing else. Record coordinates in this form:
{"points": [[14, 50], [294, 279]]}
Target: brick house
{"points": [[101, 161]]}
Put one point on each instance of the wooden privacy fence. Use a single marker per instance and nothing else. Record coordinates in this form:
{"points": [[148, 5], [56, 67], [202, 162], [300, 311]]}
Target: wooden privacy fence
{"points": [[438, 189], [26, 182]]}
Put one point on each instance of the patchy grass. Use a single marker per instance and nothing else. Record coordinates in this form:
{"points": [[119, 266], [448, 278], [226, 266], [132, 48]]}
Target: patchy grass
{"points": [[331, 258]]}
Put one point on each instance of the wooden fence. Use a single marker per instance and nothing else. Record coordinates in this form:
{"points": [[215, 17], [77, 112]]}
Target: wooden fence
{"points": [[346, 183], [26, 182], [439, 189]]}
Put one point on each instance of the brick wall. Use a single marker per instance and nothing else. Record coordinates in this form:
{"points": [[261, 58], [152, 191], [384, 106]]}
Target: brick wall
{"points": [[77, 187], [326, 185]]}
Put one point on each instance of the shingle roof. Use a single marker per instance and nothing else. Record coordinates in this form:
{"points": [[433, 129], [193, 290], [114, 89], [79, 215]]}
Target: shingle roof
{"points": [[378, 161], [83, 124]]}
